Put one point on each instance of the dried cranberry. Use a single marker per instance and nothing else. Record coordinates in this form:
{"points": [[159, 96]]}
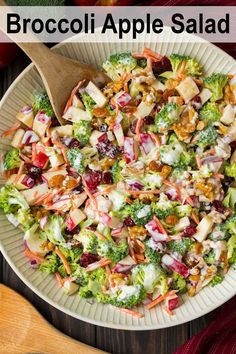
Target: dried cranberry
{"points": [[158, 107], [233, 145], [93, 179], [190, 231], [218, 205], [91, 227], [87, 258], [79, 189], [128, 221], [107, 177], [161, 66], [197, 102], [112, 151], [148, 120], [102, 148], [34, 172], [103, 127], [74, 143]]}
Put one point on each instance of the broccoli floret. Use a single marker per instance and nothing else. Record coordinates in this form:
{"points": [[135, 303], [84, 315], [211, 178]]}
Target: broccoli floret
{"points": [[148, 275], [42, 103], [25, 218], [140, 213], [127, 296], [54, 229], [116, 171], [122, 213], [209, 258], [232, 246], [72, 254], [175, 153], [179, 283], [230, 198], [181, 246], [217, 279], [163, 207], [192, 67], [111, 250], [82, 276], [206, 137], [88, 102], [142, 63], [151, 253], [11, 200], [82, 131], [183, 210], [177, 172], [152, 179], [94, 282], [215, 83], [12, 159], [88, 240], [219, 233], [119, 64], [51, 264], [210, 113], [230, 170], [76, 159], [118, 198], [230, 225], [167, 116]]}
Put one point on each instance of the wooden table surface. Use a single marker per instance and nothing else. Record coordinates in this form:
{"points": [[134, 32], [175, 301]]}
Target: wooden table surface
{"points": [[164, 341]]}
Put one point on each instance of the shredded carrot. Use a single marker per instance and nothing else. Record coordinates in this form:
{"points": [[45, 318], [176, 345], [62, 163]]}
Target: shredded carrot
{"points": [[34, 152], [63, 149], [230, 76], [19, 173], [159, 299], [198, 161], [150, 54], [131, 249], [155, 138], [131, 191], [73, 92], [138, 126], [32, 255], [218, 175], [189, 201], [210, 152], [11, 130], [102, 263], [129, 312], [195, 138], [59, 279], [159, 224], [25, 158], [91, 197], [195, 217], [139, 257], [64, 260], [100, 236], [105, 191], [128, 201]]}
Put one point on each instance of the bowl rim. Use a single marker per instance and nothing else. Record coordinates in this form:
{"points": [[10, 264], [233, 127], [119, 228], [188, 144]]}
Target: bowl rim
{"points": [[138, 327]]}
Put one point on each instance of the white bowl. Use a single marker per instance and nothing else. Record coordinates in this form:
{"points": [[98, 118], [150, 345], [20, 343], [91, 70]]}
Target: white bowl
{"points": [[11, 241]]}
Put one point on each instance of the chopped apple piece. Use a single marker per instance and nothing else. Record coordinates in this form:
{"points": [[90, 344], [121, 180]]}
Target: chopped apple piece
{"points": [[187, 89], [119, 134], [56, 160], [77, 103], [205, 95], [74, 114], [96, 94], [144, 109], [203, 229], [79, 199], [228, 115], [31, 195], [158, 85], [63, 131], [69, 287], [74, 218], [41, 122], [26, 116], [93, 140], [17, 139]]}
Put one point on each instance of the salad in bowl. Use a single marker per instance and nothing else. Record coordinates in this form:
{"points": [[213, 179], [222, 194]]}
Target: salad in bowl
{"points": [[132, 201]]}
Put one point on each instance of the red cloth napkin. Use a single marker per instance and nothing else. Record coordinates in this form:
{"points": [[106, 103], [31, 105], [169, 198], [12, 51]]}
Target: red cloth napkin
{"points": [[219, 337]]}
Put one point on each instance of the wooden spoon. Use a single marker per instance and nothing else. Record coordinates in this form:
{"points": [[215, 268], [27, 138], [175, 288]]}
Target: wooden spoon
{"points": [[24, 330], [59, 74]]}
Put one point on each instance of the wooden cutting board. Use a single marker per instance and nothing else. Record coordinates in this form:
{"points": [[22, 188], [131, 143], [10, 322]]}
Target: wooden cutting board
{"points": [[23, 330]]}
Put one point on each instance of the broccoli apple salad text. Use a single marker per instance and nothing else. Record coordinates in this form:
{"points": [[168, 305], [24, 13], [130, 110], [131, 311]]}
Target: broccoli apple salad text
{"points": [[132, 200]]}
